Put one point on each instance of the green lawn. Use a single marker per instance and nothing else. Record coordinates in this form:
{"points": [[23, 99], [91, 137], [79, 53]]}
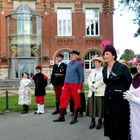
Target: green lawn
{"points": [[14, 107]]}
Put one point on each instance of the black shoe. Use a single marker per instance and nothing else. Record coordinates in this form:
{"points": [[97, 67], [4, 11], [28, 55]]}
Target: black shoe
{"points": [[24, 112], [59, 120], [80, 114], [73, 121], [92, 125], [65, 112], [35, 112], [99, 125], [55, 112], [40, 113]]}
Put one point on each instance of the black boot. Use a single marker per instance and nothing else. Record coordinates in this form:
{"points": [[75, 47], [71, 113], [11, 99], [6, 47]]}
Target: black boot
{"points": [[61, 118], [25, 109], [92, 125], [57, 108], [80, 114], [99, 125], [74, 119], [65, 111]]}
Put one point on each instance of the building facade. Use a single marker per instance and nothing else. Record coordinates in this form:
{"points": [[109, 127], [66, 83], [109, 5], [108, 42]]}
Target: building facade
{"points": [[36, 31]]}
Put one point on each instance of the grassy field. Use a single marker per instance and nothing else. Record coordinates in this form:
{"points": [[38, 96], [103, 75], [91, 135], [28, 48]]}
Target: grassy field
{"points": [[13, 102], [14, 107]]}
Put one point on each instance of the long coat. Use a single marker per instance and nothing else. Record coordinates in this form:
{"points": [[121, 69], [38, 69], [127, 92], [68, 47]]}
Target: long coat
{"points": [[58, 74], [99, 86], [40, 84], [116, 109], [24, 92]]}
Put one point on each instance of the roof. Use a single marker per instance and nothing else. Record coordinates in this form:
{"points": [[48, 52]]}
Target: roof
{"points": [[24, 8]]}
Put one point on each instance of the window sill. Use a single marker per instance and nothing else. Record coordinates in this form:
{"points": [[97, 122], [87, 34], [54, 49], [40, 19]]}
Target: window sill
{"points": [[92, 37], [65, 37]]}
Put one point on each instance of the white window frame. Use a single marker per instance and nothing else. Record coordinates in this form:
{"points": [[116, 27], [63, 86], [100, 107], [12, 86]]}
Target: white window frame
{"points": [[64, 22], [89, 62], [66, 57], [92, 15]]}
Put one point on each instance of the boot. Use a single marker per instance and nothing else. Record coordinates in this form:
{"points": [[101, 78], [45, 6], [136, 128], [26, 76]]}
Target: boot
{"points": [[25, 109], [61, 118], [80, 114], [99, 125], [57, 108], [65, 111], [92, 125], [41, 109], [38, 109], [74, 119]]}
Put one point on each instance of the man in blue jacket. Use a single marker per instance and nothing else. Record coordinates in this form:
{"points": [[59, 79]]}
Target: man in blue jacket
{"points": [[72, 87]]}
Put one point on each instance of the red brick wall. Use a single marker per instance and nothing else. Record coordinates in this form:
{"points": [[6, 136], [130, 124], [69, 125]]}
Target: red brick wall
{"points": [[50, 43]]}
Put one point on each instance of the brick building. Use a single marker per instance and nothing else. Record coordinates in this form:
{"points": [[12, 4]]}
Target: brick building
{"points": [[36, 31]]}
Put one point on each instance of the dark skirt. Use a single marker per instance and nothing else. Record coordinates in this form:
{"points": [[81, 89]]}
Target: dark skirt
{"points": [[95, 106], [82, 101]]}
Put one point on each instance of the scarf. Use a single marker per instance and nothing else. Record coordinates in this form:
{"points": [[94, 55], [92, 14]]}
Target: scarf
{"points": [[136, 81]]}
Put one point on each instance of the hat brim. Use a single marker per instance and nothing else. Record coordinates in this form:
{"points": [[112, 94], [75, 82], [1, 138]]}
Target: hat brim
{"points": [[98, 59]]}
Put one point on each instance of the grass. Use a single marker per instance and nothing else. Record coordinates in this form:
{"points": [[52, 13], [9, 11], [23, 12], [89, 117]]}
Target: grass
{"points": [[14, 107]]}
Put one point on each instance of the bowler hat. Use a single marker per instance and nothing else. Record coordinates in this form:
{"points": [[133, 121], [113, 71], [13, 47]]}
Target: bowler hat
{"points": [[75, 52]]}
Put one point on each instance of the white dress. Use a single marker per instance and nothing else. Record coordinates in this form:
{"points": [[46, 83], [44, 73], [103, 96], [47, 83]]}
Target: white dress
{"points": [[24, 92], [135, 114]]}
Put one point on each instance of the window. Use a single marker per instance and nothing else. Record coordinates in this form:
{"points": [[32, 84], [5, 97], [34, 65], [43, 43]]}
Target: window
{"points": [[88, 63], [66, 57], [64, 22], [92, 22]]}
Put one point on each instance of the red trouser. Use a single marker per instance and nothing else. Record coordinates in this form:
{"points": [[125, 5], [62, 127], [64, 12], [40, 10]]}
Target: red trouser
{"points": [[39, 100], [58, 91], [70, 90]]}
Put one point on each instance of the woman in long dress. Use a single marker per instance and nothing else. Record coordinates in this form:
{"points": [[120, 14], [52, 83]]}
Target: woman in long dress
{"points": [[96, 93], [133, 96], [24, 93], [116, 109]]}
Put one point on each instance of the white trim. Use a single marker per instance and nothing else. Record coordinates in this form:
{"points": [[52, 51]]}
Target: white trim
{"points": [[93, 5], [58, 5]]}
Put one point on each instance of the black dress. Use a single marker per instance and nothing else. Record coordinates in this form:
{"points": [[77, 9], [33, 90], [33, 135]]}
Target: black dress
{"points": [[116, 109]]}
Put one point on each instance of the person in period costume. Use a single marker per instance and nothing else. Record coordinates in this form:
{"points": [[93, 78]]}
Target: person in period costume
{"points": [[116, 109], [133, 96], [82, 108], [96, 93], [57, 79], [72, 87], [24, 93], [40, 91]]}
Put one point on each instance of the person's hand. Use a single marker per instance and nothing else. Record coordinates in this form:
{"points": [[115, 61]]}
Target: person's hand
{"points": [[129, 96]]}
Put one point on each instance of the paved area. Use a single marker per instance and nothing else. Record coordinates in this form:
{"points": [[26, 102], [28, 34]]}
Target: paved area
{"points": [[14, 126]]}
